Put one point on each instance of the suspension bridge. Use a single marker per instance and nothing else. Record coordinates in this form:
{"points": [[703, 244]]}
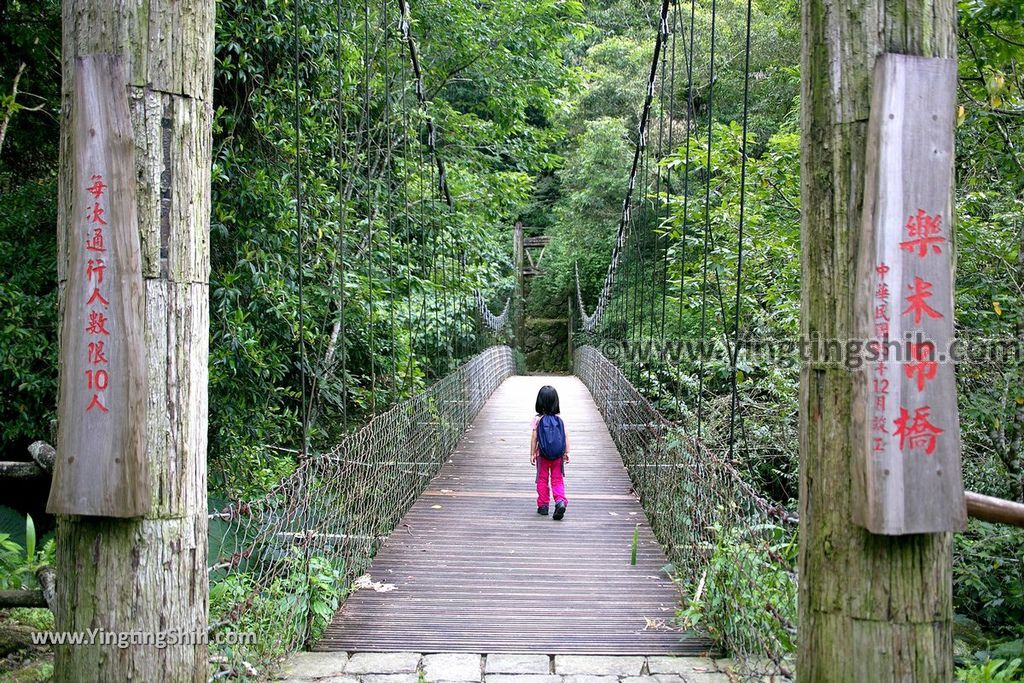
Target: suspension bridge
{"points": [[472, 567], [426, 515], [417, 530]]}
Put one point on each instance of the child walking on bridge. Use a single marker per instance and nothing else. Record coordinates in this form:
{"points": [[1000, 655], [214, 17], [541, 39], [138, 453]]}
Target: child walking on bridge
{"points": [[549, 451]]}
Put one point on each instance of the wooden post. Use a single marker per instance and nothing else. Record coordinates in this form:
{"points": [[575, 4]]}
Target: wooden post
{"points": [[568, 325], [872, 608], [520, 308], [148, 574]]}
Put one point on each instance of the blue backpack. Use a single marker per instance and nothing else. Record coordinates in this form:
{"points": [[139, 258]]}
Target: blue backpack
{"points": [[551, 437]]}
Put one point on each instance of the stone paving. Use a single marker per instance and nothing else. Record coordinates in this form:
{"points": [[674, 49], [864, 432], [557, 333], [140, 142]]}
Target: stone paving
{"points": [[457, 667]]}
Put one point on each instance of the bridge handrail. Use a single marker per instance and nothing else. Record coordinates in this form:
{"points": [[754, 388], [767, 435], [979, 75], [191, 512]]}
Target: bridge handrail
{"points": [[720, 535], [282, 564]]}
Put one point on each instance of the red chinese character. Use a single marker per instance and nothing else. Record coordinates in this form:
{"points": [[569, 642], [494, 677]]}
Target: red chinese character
{"points": [[882, 292], [95, 268], [878, 424], [920, 432], [881, 312], [96, 189], [96, 243], [97, 355], [882, 330], [922, 291], [96, 214], [96, 296], [923, 228], [97, 324], [924, 365], [95, 403], [879, 444], [880, 402], [880, 370], [882, 270]]}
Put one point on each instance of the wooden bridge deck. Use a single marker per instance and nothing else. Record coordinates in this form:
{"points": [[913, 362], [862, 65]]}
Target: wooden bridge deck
{"points": [[476, 569]]}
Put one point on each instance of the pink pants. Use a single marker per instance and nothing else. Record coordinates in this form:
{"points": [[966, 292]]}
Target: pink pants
{"points": [[556, 470]]}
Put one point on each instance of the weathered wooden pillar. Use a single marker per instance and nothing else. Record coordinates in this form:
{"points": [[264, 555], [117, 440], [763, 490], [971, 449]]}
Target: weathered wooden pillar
{"points": [[872, 608], [146, 576], [568, 331], [519, 311]]}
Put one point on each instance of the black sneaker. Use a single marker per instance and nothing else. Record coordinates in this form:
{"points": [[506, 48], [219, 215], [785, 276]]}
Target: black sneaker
{"points": [[543, 510], [559, 510]]}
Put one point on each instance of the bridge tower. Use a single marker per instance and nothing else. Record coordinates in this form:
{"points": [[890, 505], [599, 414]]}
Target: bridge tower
{"points": [[140, 570], [872, 607]]}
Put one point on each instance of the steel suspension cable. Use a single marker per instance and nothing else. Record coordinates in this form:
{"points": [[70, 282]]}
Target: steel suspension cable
{"points": [[342, 221], [406, 128], [668, 170], [590, 321], [388, 211], [299, 236], [707, 225], [371, 337], [690, 114], [739, 241]]}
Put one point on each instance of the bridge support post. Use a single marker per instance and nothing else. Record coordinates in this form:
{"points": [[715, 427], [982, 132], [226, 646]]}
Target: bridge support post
{"points": [[872, 608], [519, 310], [145, 577]]}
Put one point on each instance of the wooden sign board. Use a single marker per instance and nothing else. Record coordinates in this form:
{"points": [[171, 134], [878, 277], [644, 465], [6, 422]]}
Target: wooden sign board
{"points": [[101, 466], [906, 427]]}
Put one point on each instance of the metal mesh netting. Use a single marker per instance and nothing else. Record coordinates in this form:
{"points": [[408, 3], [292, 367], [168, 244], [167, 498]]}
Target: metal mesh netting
{"points": [[733, 552], [281, 565]]}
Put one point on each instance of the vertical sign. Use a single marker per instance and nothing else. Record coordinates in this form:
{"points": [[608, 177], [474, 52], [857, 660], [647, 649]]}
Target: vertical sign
{"points": [[906, 428], [101, 466]]}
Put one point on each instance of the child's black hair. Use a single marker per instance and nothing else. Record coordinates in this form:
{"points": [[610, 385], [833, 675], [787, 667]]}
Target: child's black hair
{"points": [[547, 401]]}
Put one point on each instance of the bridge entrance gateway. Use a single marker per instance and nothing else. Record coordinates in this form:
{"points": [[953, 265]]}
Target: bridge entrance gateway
{"points": [[409, 549]]}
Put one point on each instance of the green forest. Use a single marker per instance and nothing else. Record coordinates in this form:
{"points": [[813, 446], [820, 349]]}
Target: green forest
{"points": [[344, 266]]}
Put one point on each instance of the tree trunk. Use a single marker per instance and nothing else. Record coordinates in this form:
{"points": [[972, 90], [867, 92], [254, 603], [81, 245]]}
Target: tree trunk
{"points": [[148, 575], [872, 608]]}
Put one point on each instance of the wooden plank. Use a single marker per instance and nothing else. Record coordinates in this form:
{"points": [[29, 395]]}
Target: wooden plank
{"points": [[907, 475], [101, 469], [476, 569]]}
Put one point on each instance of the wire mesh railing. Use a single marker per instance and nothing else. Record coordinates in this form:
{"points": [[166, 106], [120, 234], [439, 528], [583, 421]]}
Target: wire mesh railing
{"points": [[733, 552], [280, 566]]}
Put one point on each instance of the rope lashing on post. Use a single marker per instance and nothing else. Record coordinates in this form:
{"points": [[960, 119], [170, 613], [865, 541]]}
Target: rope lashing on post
{"points": [[591, 320]]}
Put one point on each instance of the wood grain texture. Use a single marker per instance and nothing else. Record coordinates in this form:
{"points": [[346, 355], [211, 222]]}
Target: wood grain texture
{"points": [[907, 479], [157, 40], [476, 569], [102, 469], [872, 608], [994, 509], [149, 574]]}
